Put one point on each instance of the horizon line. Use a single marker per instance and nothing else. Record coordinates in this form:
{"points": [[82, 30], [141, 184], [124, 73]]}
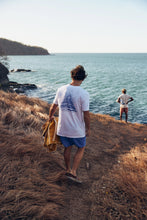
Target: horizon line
{"points": [[99, 52]]}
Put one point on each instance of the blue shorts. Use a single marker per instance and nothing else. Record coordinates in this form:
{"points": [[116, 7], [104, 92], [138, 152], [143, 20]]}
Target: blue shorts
{"points": [[78, 142]]}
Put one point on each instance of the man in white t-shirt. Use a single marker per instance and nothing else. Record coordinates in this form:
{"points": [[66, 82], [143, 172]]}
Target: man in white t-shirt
{"points": [[74, 118], [124, 99]]}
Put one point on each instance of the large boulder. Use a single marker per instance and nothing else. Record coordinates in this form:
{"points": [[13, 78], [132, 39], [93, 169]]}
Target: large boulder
{"points": [[3, 74]]}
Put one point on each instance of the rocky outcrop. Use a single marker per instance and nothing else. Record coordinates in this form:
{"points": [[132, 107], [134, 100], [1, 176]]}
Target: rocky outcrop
{"points": [[20, 70], [8, 47], [10, 86], [21, 88], [3, 74]]}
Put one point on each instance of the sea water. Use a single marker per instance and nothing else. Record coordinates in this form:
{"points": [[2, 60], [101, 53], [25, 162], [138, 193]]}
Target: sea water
{"points": [[107, 75]]}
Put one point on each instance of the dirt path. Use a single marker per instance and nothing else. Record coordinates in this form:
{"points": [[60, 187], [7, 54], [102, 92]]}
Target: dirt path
{"points": [[109, 139]]}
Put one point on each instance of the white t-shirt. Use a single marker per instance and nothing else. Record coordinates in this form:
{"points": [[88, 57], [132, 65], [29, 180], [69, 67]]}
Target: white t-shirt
{"points": [[123, 100], [72, 101]]}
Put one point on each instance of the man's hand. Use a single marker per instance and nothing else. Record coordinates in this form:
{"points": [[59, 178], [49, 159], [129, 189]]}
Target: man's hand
{"points": [[51, 118]]}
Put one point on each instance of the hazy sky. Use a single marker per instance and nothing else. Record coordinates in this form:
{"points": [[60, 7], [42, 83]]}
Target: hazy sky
{"points": [[76, 25]]}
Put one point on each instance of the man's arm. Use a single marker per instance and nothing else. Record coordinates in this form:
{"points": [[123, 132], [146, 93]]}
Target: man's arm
{"points": [[87, 122], [130, 100], [52, 111], [118, 100]]}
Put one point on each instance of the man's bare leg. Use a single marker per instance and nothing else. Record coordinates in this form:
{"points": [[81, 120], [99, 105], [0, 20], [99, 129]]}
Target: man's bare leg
{"points": [[126, 117], [121, 116], [77, 158], [67, 152]]}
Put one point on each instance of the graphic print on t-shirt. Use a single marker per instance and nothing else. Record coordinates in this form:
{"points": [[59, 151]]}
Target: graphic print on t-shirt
{"points": [[122, 102], [67, 103]]}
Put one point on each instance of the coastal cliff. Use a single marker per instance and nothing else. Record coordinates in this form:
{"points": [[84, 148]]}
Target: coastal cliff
{"points": [[11, 86], [8, 47], [32, 180]]}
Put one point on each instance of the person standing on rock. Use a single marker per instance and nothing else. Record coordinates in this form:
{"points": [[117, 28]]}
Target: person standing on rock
{"points": [[74, 118], [124, 99]]}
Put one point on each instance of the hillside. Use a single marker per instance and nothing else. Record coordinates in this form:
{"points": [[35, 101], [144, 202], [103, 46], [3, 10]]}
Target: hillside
{"points": [[8, 47], [32, 180]]}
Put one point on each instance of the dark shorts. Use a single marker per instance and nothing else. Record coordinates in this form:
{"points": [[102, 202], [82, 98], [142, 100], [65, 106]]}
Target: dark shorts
{"points": [[125, 110], [78, 142]]}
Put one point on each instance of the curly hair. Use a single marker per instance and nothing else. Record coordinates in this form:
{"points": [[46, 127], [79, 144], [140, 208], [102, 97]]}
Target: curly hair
{"points": [[78, 73]]}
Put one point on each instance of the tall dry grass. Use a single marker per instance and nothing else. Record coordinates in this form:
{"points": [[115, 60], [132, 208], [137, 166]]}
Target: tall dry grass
{"points": [[125, 191], [30, 185], [31, 179]]}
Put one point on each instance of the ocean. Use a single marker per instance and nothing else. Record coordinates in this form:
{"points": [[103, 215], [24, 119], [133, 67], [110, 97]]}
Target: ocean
{"points": [[108, 73]]}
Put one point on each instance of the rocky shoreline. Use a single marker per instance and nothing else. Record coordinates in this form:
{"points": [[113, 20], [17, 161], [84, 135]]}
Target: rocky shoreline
{"points": [[10, 86]]}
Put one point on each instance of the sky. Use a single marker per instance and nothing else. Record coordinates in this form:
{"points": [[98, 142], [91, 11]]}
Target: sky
{"points": [[77, 26]]}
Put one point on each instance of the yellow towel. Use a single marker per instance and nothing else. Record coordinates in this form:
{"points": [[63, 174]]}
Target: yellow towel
{"points": [[51, 139]]}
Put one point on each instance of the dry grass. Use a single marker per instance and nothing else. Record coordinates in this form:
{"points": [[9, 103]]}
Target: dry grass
{"points": [[32, 184], [125, 188], [29, 188]]}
